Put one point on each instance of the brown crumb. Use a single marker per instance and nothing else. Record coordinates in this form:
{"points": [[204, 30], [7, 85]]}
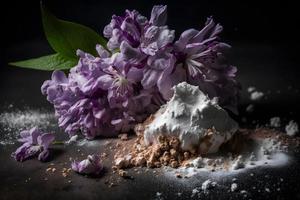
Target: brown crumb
{"points": [[123, 136], [111, 185], [64, 174], [174, 164], [123, 173], [103, 155], [114, 168]]}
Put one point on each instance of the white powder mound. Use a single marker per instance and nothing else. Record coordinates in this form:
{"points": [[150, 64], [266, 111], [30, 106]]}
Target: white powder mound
{"points": [[13, 122], [188, 116], [256, 95], [291, 128], [275, 122]]}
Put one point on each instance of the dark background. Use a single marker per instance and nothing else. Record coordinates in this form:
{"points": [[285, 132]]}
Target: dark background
{"points": [[268, 22], [265, 40]]}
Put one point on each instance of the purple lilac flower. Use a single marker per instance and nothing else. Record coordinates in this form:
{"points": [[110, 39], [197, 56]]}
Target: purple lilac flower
{"points": [[34, 143], [97, 94], [111, 92], [91, 165]]}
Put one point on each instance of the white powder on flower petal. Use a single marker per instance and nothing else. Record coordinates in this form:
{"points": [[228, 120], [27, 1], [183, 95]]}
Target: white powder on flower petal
{"points": [[291, 128]]}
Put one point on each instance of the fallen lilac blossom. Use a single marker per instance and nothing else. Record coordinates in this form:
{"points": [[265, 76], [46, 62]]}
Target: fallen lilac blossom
{"points": [[35, 143], [91, 165]]}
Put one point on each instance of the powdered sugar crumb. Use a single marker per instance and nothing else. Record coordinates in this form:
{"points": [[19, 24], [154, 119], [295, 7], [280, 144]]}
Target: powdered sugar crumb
{"points": [[256, 95], [291, 128], [275, 122]]}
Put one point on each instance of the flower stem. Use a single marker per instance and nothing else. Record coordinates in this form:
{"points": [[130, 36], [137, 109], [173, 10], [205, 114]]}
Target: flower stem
{"points": [[58, 142]]}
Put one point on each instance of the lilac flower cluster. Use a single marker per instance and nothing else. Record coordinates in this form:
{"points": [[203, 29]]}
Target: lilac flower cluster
{"points": [[34, 143], [125, 83]]}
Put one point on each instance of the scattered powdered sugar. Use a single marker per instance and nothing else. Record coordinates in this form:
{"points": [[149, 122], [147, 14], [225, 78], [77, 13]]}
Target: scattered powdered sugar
{"points": [[266, 153], [159, 196], [251, 89], [72, 140], [14, 121], [208, 185], [195, 192], [256, 95], [275, 122], [233, 187], [250, 108], [291, 128]]}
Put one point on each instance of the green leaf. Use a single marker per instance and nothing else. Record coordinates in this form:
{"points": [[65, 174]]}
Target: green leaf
{"points": [[66, 37], [47, 63]]}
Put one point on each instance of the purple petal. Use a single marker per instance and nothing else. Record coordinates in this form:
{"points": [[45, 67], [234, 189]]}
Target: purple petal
{"points": [[59, 77], [103, 53], [166, 82], [20, 154], [45, 140], [91, 165], [44, 155], [184, 38], [105, 81], [131, 54], [150, 77], [35, 133], [159, 15]]}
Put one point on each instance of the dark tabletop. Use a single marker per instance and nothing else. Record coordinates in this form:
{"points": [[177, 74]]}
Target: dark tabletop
{"points": [[270, 68]]}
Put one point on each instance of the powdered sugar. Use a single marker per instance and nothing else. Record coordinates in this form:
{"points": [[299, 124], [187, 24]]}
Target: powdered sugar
{"points": [[275, 122], [291, 128], [13, 121], [255, 96]]}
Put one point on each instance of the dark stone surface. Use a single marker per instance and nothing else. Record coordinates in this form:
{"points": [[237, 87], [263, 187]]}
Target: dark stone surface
{"points": [[272, 69]]}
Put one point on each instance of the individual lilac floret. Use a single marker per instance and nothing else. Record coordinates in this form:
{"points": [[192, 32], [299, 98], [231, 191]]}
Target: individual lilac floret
{"points": [[34, 143], [91, 165]]}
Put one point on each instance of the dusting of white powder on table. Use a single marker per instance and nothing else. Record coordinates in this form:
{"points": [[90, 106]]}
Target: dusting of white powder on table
{"points": [[14, 121]]}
